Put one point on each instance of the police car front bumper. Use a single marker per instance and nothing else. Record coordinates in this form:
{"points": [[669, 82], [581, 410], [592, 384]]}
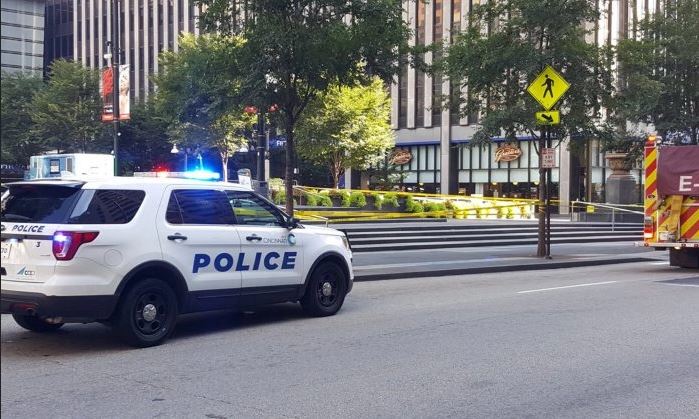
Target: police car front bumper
{"points": [[70, 308]]}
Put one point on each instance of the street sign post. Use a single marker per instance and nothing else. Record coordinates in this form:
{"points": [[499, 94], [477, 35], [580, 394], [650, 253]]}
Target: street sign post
{"points": [[548, 87], [548, 118]]}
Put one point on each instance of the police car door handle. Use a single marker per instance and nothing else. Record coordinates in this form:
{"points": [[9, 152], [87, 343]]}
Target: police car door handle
{"points": [[254, 237], [177, 236]]}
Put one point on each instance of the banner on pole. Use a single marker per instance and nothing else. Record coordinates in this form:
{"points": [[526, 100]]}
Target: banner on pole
{"points": [[124, 93], [107, 91]]}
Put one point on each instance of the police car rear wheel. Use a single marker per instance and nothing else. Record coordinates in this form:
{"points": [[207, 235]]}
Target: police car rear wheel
{"points": [[147, 313], [36, 324], [326, 291]]}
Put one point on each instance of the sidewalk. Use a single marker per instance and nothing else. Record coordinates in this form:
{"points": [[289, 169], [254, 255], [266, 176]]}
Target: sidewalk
{"points": [[518, 260]]}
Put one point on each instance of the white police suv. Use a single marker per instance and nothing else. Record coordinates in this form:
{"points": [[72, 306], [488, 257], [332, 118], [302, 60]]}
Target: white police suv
{"points": [[136, 252]]}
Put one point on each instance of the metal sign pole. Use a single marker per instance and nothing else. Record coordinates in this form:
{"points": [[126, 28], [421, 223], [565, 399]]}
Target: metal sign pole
{"points": [[116, 61], [548, 198], [541, 246]]}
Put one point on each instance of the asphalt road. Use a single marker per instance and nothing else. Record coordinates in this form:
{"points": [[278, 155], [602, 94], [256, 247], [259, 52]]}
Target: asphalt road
{"points": [[613, 341], [411, 261]]}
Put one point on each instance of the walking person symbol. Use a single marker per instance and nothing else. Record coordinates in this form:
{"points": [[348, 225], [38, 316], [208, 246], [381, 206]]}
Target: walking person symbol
{"points": [[549, 86]]}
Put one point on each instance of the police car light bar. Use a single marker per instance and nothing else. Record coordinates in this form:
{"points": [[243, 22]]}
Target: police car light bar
{"points": [[194, 174]]}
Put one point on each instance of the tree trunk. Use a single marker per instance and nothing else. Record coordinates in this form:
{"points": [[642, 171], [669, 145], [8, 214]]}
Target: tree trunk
{"points": [[289, 164], [224, 164], [336, 176]]}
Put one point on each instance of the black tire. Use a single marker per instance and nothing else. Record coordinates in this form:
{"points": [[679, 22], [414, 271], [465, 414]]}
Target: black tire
{"points": [[147, 313], [36, 324], [325, 291]]}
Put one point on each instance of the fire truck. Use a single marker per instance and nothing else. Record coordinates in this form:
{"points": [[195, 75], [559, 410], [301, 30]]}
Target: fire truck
{"points": [[671, 200]]}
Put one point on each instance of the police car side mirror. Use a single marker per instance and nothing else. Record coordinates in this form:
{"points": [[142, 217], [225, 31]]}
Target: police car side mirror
{"points": [[292, 222]]}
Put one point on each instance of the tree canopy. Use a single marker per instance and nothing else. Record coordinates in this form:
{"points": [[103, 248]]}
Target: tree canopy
{"points": [[296, 49], [503, 49], [17, 93], [66, 113], [660, 69], [349, 126], [200, 87]]}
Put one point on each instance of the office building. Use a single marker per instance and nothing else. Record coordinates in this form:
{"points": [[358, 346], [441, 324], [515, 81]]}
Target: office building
{"points": [[437, 139], [22, 36]]}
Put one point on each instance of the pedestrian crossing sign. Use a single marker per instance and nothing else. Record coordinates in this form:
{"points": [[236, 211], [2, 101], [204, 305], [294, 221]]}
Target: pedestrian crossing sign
{"points": [[548, 87]]}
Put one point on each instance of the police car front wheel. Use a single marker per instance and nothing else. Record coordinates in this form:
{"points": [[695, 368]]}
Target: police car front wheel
{"points": [[147, 313], [326, 290]]}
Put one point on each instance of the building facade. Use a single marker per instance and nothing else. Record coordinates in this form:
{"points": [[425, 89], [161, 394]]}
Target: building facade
{"points": [[147, 27], [58, 33], [22, 36], [438, 139]]}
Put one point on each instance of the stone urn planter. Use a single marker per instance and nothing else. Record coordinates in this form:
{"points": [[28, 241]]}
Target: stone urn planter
{"points": [[618, 163], [620, 186]]}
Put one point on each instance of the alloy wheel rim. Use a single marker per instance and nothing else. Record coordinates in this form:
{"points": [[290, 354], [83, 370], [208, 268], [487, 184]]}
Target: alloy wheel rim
{"points": [[327, 291], [150, 314]]}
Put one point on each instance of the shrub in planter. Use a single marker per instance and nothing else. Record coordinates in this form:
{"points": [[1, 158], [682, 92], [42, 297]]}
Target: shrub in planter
{"points": [[412, 205], [279, 197], [357, 199], [341, 196], [378, 200], [311, 199], [324, 200], [435, 207], [390, 200]]}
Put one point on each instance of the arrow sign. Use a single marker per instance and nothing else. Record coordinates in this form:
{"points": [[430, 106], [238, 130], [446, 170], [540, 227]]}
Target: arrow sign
{"points": [[548, 118]]}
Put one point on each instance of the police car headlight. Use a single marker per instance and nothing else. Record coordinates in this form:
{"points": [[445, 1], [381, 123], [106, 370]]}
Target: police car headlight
{"points": [[346, 242]]}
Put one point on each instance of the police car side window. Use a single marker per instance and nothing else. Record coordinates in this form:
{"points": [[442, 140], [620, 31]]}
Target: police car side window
{"points": [[106, 206], [199, 206], [250, 209]]}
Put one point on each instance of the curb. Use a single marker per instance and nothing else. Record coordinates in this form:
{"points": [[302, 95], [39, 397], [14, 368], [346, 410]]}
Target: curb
{"points": [[495, 269]]}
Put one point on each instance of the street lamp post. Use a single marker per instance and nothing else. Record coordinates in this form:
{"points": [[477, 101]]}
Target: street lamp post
{"points": [[185, 151], [261, 146], [116, 61]]}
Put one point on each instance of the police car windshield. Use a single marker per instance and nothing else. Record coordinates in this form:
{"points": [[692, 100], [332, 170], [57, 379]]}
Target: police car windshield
{"points": [[39, 203]]}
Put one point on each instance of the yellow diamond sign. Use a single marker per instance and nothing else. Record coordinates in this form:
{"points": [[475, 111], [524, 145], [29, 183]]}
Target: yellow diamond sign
{"points": [[548, 87]]}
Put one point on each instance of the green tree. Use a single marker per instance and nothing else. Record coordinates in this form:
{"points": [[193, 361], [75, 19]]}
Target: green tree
{"points": [[18, 143], [144, 141], [200, 87], [660, 72], [507, 44], [66, 114], [296, 49], [347, 127]]}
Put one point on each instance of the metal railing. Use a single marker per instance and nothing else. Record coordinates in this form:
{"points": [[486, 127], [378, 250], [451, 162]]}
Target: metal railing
{"points": [[614, 209]]}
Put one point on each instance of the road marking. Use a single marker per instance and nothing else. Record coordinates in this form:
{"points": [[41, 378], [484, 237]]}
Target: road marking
{"points": [[660, 263], [567, 286]]}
